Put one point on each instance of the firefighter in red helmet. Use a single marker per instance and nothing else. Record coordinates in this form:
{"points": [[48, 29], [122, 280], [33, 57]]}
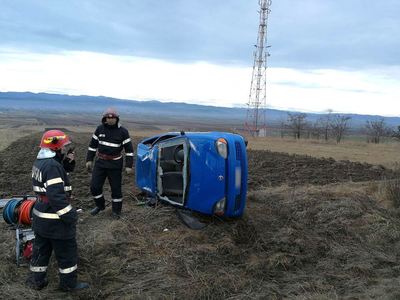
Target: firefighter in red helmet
{"points": [[54, 219], [107, 143]]}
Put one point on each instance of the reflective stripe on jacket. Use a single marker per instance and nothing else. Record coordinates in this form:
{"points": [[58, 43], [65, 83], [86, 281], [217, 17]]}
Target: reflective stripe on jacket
{"points": [[55, 218], [110, 141]]}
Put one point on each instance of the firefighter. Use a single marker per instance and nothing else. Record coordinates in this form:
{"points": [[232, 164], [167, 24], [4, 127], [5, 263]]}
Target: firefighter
{"points": [[108, 141], [54, 219]]}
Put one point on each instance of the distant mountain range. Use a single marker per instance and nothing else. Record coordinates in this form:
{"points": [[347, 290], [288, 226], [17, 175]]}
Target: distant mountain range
{"points": [[142, 110]]}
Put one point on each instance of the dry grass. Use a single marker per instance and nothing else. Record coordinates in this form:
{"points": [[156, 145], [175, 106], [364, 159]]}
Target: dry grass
{"points": [[303, 241], [336, 234], [387, 192], [7, 136], [386, 154]]}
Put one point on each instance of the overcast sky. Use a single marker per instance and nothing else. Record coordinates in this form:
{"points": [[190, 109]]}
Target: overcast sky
{"points": [[325, 54]]}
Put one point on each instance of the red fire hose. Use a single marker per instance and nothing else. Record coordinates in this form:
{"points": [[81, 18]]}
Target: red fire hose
{"points": [[25, 212]]}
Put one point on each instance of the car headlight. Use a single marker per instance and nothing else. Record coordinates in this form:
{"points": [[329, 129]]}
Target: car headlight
{"points": [[219, 208], [222, 147]]}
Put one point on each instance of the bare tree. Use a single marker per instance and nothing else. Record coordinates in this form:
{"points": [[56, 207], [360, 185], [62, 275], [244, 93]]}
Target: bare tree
{"points": [[308, 130], [282, 126], [325, 124], [376, 130], [396, 133], [296, 123], [317, 129], [339, 126]]}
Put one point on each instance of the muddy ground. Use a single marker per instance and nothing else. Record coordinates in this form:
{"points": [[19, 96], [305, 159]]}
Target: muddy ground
{"points": [[313, 229]]}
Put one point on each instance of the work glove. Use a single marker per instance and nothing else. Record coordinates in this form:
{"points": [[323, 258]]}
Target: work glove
{"points": [[129, 171], [89, 166], [71, 156]]}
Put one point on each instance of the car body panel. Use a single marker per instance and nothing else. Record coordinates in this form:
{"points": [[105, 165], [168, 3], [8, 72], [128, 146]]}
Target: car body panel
{"points": [[207, 176], [146, 170]]}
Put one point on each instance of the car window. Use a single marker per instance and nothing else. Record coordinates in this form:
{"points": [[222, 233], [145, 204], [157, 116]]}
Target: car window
{"points": [[156, 139], [150, 141]]}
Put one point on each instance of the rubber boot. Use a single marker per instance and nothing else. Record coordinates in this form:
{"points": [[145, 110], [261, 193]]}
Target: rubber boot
{"points": [[116, 210], [116, 215], [69, 282], [95, 211], [36, 284], [99, 206]]}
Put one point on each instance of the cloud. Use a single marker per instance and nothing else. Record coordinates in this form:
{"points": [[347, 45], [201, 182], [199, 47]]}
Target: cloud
{"points": [[175, 30], [124, 77], [364, 92], [309, 34], [334, 34], [372, 91], [339, 54]]}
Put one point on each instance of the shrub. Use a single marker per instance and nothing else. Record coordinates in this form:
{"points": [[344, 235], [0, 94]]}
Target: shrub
{"points": [[391, 192]]}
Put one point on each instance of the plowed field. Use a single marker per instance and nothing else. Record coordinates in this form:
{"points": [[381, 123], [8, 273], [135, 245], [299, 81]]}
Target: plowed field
{"points": [[313, 229]]}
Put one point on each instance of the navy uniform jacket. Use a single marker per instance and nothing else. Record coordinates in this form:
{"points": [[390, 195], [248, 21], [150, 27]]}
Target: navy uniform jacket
{"points": [[53, 215], [109, 141]]}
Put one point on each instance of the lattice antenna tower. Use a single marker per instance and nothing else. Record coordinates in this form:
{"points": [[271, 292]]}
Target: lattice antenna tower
{"points": [[256, 107]]}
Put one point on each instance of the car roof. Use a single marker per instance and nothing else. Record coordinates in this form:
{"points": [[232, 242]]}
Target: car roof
{"points": [[190, 134]]}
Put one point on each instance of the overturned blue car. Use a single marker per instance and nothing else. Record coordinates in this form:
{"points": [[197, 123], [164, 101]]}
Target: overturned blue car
{"points": [[205, 172]]}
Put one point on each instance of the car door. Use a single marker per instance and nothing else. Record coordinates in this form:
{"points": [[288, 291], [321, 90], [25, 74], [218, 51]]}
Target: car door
{"points": [[146, 167]]}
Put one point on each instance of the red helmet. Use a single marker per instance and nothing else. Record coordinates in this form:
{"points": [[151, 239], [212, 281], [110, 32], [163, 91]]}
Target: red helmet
{"points": [[54, 140], [110, 113]]}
